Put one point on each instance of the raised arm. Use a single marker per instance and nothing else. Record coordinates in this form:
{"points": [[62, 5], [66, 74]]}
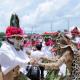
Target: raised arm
{"points": [[56, 65], [54, 59]]}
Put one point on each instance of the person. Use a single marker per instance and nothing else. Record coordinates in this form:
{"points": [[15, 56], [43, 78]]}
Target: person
{"points": [[11, 54], [76, 37], [38, 54], [70, 58], [47, 47]]}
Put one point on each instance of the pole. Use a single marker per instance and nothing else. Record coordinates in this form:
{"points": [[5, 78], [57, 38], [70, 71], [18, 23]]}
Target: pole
{"points": [[32, 29], [68, 23], [51, 26]]}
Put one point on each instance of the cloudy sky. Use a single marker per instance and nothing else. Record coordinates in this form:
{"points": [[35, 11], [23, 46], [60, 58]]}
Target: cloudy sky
{"points": [[41, 15]]}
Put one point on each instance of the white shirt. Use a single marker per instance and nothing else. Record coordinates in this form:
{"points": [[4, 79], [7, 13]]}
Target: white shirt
{"points": [[10, 58], [37, 55], [77, 39], [46, 50], [62, 70]]}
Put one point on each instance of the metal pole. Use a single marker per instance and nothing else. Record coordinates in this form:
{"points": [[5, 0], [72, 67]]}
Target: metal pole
{"points": [[68, 20], [51, 26], [32, 30]]}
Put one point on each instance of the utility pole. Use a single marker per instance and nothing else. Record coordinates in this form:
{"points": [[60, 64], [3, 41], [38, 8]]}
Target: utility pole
{"points": [[51, 26], [68, 21], [32, 29]]}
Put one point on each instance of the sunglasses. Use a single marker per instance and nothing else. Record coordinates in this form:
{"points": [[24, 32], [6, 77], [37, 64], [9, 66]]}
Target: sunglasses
{"points": [[17, 37]]}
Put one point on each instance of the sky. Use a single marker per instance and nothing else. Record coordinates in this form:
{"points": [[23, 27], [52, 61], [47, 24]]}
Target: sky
{"points": [[38, 16]]}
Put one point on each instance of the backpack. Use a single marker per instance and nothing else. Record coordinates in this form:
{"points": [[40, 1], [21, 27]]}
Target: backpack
{"points": [[33, 72]]}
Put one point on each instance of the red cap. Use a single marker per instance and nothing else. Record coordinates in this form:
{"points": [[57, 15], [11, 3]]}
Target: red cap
{"points": [[13, 31]]}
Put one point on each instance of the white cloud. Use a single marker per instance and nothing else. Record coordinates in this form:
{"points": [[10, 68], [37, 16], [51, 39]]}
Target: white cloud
{"points": [[43, 11], [75, 12], [7, 7], [48, 7], [15, 5]]}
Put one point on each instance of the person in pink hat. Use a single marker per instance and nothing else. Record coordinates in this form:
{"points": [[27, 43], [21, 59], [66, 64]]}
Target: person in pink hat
{"points": [[76, 37], [12, 56]]}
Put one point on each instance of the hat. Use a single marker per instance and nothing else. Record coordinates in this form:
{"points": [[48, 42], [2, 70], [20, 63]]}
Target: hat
{"points": [[75, 31], [14, 31]]}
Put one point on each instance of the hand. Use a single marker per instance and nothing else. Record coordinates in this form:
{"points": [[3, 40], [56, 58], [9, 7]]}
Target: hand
{"points": [[42, 58], [33, 61]]}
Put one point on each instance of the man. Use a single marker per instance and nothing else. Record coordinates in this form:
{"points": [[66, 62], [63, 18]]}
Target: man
{"points": [[38, 54], [11, 54]]}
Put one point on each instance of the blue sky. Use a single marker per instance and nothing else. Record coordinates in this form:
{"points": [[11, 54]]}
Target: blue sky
{"points": [[39, 15]]}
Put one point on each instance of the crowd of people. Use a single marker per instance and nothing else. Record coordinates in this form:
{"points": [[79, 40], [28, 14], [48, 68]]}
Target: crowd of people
{"points": [[39, 55]]}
